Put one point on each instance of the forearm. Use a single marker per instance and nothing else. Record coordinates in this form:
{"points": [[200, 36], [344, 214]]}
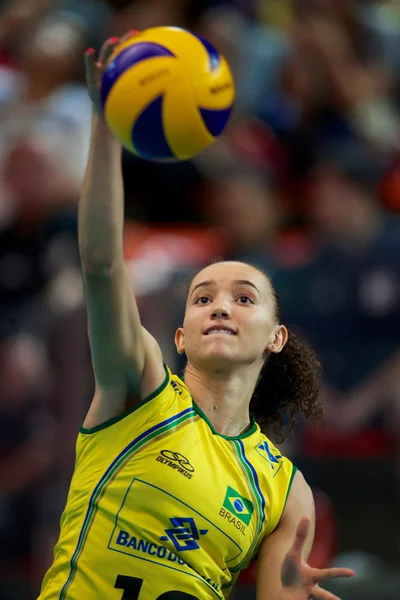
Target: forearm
{"points": [[274, 589], [101, 207], [269, 567]]}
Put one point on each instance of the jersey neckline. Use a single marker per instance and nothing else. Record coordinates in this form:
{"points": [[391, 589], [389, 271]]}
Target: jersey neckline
{"points": [[242, 436], [196, 407]]}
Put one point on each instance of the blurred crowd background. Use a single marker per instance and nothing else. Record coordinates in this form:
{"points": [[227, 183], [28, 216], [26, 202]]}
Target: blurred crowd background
{"points": [[304, 183]]}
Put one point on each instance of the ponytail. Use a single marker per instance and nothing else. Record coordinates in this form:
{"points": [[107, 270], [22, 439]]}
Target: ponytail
{"points": [[288, 385]]}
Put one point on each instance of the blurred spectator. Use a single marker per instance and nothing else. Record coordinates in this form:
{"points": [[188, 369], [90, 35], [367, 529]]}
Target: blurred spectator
{"points": [[16, 18], [38, 239], [349, 288], [242, 210], [149, 13], [44, 135], [26, 445], [345, 299], [381, 20], [340, 85], [42, 103]]}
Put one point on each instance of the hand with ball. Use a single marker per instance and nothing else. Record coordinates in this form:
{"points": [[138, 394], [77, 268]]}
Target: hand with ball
{"points": [[165, 93]]}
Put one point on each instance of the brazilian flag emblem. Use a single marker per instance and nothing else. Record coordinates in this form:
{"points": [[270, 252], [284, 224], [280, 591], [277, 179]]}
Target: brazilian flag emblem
{"points": [[237, 505]]}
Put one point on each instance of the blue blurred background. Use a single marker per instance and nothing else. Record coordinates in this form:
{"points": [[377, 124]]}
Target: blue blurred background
{"points": [[305, 183]]}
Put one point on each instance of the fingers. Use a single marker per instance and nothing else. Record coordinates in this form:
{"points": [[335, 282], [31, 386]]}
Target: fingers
{"points": [[90, 63], [129, 35], [106, 51], [290, 573], [94, 69], [91, 74], [318, 593], [301, 536], [333, 573]]}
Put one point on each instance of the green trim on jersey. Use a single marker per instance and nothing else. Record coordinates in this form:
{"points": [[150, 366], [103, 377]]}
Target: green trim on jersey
{"points": [[294, 470], [109, 422], [244, 435], [259, 502], [109, 475]]}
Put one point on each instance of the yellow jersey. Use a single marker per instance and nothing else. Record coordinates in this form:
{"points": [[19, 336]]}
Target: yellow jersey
{"points": [[162, 507]]}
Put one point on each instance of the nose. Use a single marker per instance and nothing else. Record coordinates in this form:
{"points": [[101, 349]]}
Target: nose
{"points": [[220, 313]]}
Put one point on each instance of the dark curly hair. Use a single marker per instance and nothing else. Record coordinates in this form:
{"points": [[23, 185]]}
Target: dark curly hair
{"points": [[288, 383]]}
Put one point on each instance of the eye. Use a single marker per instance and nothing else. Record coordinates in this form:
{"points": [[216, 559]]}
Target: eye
{"points": [[245, 299], [202, 300]]}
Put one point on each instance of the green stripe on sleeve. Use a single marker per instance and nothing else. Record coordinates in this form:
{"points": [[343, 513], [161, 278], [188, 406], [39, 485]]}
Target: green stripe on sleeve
{"points": [[294, 470]]}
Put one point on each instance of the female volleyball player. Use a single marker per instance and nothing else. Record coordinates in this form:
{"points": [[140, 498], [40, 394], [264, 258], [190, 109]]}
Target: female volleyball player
{"points": [[175, 488]]}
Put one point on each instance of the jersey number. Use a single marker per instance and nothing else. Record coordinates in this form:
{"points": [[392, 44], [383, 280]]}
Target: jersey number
{"points": [[132, 585]]}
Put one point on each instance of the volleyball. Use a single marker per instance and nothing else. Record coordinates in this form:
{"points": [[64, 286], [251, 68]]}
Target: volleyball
{"points": [[166, 94]]}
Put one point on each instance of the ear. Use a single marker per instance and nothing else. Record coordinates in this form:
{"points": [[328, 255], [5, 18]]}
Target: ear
{"points": [[179, 340], [278, 339]]}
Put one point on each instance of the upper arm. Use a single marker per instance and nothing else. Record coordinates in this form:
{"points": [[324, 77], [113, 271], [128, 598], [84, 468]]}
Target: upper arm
{"points": [[300, 503], [127, 360]]}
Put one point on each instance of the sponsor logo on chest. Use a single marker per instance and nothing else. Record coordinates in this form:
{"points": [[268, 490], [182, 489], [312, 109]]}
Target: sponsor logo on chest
{"points": [[176, 461]]}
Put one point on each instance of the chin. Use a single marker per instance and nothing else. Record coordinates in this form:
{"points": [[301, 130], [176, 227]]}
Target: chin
{"points": [[219, 359]]}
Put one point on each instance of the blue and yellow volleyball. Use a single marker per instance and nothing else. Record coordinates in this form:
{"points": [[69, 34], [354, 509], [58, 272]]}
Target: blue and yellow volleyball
{"points": [[167, 94]]}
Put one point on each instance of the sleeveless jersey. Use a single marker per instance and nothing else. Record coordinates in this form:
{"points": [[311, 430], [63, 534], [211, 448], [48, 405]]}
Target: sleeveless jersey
{"points": [[161, 507]]}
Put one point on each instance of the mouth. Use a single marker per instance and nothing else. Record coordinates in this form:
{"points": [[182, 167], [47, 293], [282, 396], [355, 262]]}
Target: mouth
{"points": [[214, 330]]}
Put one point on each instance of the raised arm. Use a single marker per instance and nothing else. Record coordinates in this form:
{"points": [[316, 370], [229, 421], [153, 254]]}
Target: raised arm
{"points": [[282, 569], [126, 359]]}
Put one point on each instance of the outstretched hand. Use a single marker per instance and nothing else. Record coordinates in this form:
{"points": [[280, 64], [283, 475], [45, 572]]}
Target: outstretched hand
{"points": [[301, 581], [95, 68]]}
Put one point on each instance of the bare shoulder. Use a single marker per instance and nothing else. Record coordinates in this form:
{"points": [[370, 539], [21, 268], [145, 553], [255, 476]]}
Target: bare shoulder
{"points": [[154, 369], [300, 499], [110, 401], [300, 504]]}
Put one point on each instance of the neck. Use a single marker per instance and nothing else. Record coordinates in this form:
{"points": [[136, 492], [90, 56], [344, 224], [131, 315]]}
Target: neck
{"points": [[224, 397]]}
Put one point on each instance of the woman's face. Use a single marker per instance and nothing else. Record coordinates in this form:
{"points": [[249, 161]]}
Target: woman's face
{"points": [[229, 318]]}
